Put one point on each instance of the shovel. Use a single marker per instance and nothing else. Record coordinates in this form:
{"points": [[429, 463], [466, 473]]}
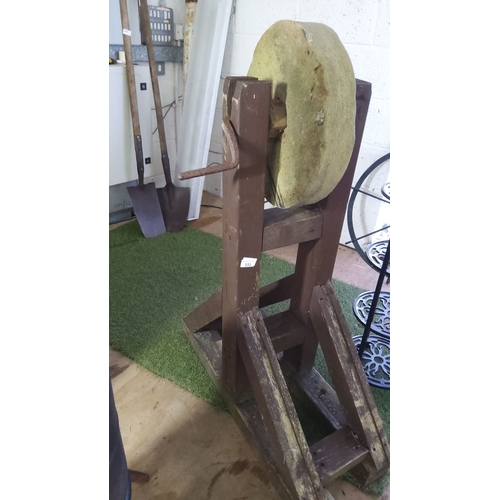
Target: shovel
{"points": [[143, 196], [174, 200]]}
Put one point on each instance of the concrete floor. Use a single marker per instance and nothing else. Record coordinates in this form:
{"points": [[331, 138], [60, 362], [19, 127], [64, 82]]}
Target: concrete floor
{"points": [[190, 450]]}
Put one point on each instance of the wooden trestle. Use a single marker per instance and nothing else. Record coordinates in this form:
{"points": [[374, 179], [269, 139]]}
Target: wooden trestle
{"points": [[256, 361]]}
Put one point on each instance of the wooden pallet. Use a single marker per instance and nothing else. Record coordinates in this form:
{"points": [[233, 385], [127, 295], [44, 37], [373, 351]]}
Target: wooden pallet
{"points": [[256, 362]]}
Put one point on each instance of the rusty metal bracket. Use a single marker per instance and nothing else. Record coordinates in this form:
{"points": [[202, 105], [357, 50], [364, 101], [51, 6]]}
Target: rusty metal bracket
{"points": [[232, 144]]}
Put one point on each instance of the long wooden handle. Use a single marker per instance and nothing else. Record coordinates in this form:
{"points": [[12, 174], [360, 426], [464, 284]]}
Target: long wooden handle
{"points": [[134, 109], [146, 26]]}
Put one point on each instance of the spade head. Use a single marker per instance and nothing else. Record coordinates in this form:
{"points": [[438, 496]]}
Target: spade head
{"points": [[147, 209], [174, 202]]}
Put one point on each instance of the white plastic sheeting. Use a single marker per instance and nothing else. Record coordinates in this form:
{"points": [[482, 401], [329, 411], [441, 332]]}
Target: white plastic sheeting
{"points": [[200, 94]]}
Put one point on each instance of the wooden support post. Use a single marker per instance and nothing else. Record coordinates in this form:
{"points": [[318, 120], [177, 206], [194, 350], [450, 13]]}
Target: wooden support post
{"points": [[316, 259], [246, 101]]}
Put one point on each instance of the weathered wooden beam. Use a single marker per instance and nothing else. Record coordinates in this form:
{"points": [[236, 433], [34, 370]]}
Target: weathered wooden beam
{"points": [[278, 412], [348, 377], [312, 389], [336, 454], [208, 347], [285, 330], [275, 292], [205, 313], [211, 310], [283, 228]]}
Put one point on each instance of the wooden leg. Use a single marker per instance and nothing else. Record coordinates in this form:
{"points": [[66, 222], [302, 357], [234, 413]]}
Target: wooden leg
{"points": [[277, 409], [247, 103], [348, 376]]}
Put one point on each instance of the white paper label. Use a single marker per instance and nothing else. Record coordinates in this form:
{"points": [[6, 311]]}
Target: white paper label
{"points": [[127, 32], [248, 262]]}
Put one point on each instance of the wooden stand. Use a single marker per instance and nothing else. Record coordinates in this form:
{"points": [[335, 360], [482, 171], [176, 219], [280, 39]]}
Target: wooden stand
{"points": [[239, 347]]}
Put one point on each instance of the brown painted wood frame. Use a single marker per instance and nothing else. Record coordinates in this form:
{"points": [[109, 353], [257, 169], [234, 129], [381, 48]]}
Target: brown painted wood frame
{"points": [[239, 347]]}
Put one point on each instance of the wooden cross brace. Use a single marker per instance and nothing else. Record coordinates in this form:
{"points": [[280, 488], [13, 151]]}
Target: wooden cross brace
{"points": [[256, 361]]}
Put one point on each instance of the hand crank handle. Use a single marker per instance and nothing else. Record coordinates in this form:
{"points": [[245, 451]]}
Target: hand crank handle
{"points": [[232, 143]]}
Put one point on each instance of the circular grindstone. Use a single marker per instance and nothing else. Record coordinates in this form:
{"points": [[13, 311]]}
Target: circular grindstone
{"points": [[312, 75]]}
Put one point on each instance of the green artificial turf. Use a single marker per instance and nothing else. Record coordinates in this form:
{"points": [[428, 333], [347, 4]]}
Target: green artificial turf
{"points": [[154, 283]]}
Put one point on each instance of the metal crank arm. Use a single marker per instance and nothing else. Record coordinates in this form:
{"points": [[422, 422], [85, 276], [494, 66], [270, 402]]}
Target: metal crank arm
{"points": [[232, 144]]}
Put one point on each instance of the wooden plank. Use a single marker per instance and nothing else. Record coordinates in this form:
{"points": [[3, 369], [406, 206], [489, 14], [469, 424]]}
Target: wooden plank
{"points": [[277, 291], [209, 351], [242, 218], [336, 454], [319, 393], [287, 227], [289, 444], [205, 313], [348, 377], [285, 330], [211, 343], [210, 311], [316, 259]]}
